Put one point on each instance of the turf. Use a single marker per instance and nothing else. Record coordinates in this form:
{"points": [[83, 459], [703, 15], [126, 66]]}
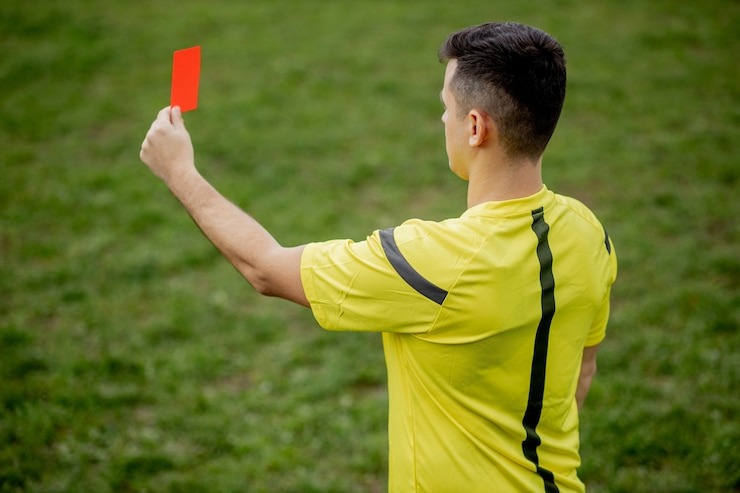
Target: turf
{"points": [[133, 358]]}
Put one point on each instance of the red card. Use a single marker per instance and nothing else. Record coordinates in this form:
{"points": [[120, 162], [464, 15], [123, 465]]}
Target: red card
{"points": [[185, 78]]}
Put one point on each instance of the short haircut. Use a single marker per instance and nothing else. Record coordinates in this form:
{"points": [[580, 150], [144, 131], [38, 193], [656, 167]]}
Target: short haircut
{"points": [[514, 73]]}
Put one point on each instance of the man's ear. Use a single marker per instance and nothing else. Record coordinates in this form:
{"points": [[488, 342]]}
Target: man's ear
{"points": [[480, 128]]}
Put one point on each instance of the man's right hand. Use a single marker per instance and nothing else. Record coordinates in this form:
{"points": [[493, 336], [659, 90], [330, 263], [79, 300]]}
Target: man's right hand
{"points": [[167, 149]]}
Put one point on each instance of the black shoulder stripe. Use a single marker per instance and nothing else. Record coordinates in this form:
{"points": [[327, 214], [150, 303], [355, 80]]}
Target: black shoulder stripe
{"points": [[607, 242], [408, 273]]}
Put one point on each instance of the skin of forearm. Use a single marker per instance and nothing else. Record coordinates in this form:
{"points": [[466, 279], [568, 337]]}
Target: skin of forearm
{"points": [[584, 383], [240, 238]]}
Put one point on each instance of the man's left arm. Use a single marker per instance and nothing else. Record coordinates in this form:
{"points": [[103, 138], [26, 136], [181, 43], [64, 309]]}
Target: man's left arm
{"points": [[272, 269], [588, 370]]}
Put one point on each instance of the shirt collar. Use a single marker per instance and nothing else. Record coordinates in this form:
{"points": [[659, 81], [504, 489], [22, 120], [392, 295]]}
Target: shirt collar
{"points": [[513, 207]]}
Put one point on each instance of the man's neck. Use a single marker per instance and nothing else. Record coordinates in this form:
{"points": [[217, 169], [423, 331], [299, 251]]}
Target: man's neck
{"points": [[499, 180]]}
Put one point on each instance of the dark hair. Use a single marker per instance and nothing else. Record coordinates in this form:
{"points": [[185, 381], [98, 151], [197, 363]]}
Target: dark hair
{"points": [[516, 74]]}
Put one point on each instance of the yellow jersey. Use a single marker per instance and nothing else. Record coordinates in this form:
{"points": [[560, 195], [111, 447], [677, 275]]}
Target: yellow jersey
{"points": [[484, 320]]}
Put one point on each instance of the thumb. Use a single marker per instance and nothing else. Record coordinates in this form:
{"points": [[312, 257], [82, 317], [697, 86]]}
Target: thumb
{"points": [[176, 117]]}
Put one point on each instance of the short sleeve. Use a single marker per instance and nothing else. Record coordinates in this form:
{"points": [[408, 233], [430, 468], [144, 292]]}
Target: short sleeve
{"points": [[598, 328], [352, 286]]}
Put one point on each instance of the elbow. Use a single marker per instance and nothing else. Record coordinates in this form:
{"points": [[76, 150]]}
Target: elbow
{"points": [[256, 277], [264, 288], [260, 281], [275, 273]]}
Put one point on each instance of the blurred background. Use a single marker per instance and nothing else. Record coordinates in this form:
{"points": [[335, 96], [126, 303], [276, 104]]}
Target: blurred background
{"points": [[134, 359]]}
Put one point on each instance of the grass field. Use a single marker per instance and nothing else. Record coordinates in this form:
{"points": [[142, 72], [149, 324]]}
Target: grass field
{"points": [[134, 359]]}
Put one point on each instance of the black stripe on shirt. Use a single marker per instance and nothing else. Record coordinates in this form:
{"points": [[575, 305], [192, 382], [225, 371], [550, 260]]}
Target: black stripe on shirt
{"points": [[539, 360], [607, 242], [408, 273]]}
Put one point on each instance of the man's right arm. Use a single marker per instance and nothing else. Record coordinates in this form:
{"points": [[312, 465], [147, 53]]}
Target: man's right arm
{"points": [[272, 269]]}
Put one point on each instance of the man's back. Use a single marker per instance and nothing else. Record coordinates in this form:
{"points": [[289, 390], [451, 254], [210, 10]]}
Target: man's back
{"points": [[485, 318]]}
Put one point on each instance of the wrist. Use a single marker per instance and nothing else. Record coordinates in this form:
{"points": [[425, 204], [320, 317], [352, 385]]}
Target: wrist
{"points": [[183, 181]]}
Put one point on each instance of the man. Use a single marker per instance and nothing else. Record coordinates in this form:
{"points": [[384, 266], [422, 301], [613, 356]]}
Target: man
{"points": [[491, 320]]}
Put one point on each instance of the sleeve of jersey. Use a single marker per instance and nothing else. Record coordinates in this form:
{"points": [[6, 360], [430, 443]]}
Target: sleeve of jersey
{"points": [[355, 286], [598, 329]]}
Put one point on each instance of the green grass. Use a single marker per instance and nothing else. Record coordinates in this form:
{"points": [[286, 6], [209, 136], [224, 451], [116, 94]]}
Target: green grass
{"points": [[133, 358]]}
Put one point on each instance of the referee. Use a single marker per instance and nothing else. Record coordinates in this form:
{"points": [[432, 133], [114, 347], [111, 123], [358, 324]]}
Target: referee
{"points": [[490, 321]]}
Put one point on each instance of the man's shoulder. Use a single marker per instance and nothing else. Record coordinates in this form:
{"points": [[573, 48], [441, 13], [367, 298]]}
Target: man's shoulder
{"points": [[581, 220], [575, 207], [446, 230]]}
